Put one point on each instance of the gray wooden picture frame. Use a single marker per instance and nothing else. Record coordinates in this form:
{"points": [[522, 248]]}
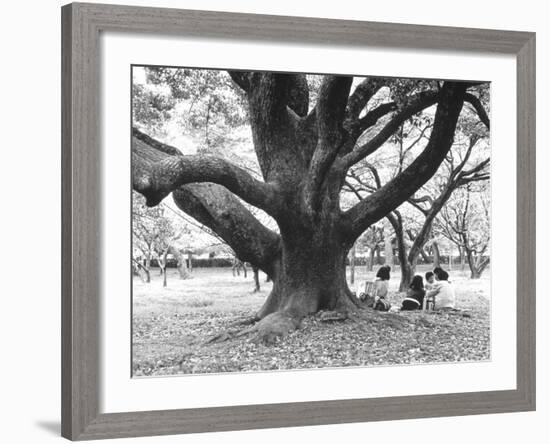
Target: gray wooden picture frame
{"points": [[81, 247]]}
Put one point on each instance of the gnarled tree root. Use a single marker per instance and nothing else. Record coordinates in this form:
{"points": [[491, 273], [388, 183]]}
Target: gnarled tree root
{"points": [[334, 316], [246, 320], [267, 330], [275, 326], [280, 323]]}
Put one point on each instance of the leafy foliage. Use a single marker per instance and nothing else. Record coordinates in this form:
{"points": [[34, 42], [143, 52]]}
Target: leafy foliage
{"points": [[207, 101]]}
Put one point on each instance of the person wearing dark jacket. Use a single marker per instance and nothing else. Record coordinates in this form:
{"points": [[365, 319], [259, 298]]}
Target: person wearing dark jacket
{"points": [[415, 295]]}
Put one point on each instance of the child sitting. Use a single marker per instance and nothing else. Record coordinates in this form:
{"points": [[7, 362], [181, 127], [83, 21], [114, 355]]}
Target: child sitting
{"points": [[430, 280]]}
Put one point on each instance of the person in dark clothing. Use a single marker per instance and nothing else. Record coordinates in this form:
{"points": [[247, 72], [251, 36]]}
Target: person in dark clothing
{"points": [[415, 295]]}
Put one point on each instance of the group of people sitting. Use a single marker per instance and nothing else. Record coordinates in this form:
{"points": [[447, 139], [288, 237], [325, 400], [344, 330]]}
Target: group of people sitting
{"points": [[436, 293]]}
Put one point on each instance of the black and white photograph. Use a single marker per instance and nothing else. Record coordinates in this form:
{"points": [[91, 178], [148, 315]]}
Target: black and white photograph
{"points": [[275, 222], [285, 221]]}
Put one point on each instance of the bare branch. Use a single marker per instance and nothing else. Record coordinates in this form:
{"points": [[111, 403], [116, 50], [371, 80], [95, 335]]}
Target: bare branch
{"points": [[353, 190], [455, 171], [373, 116], [420, 102], [362, 95], [404, 185], [480, 167]]}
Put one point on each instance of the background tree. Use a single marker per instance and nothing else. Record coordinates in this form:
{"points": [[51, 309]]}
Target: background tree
{"points": [[372, 240], [412, 223], [457, 174], [466, 223], [304, 151], [352, 259], [388, 246], [152, 233]]}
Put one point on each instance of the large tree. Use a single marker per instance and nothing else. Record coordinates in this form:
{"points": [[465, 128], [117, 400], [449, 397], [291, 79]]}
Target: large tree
{"points": [[304, 153]]}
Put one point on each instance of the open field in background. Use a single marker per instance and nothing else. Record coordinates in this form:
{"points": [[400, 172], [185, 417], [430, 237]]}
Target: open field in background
{"points": [[171, 325]]}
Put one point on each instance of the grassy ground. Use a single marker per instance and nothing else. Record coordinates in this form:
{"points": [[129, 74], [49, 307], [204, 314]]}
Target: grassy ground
{"points": [[171, 325]]}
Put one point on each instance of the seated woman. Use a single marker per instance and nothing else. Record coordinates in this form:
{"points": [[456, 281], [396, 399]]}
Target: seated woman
{"points": [[376, 291], [442, 292], [415, 295]]}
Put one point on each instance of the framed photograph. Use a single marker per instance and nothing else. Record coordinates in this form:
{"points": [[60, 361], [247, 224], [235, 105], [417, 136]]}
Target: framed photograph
{"points": [[278, 221]]}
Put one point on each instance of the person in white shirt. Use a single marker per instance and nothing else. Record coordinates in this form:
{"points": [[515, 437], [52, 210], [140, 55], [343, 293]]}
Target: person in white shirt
{"points": [[442, 291]]}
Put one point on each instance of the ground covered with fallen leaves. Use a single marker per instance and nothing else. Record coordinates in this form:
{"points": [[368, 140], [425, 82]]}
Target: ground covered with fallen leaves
{"points": [[171, 327]]}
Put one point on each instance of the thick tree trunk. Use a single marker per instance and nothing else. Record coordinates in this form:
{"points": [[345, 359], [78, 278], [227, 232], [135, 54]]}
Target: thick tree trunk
{"points": [[424, 256], [352, 256], [388, 251], [436, 255], [256, 272], [148, 267], [308, 280], [462, 261], [162, 268], [370, 264], [181, 263], [146, 277], [408, 271], [407, 262], [474, 273], [477, 264], [237, 266], [309, 276]]}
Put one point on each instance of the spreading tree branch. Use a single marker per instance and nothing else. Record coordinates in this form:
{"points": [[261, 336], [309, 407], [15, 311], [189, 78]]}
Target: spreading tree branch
{"points": [[361, 97], [416, 104], [480, 110], [217, 208], [330, 112], [155, 176], [404, 185]]}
